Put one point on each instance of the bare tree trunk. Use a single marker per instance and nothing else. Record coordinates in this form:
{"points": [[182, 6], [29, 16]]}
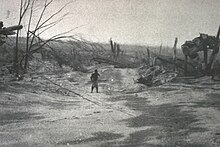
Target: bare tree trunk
{"points": [[148, 52], [160, 51], [114, 49], [214, 53], [205, 53], [148, 56], [174, 54], [185, 65], [24, 5], [26, 53], [118, 50], [112, 46], [28, 37], [154, 61], [16, 62]]}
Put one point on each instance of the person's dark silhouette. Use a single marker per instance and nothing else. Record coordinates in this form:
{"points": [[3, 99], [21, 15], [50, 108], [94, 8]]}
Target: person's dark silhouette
{"points": [[94, 78]]}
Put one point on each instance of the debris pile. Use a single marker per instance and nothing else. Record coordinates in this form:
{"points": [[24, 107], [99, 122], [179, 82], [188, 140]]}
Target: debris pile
{"points": [[202, 43], [154, 76]]}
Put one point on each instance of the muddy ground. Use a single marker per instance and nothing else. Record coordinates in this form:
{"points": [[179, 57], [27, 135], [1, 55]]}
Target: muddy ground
{"points": [[58, 110]]}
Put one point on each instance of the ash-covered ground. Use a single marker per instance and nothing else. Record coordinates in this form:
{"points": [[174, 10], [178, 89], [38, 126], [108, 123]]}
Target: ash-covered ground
{"points": [[59, 110]]}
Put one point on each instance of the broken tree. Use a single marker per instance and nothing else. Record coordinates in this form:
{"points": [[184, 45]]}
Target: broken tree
{"points": [[202, 43]]}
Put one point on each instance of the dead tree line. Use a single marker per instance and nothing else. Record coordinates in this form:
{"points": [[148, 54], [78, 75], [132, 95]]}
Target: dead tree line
{"points": [[152, 60], [115, 49]]}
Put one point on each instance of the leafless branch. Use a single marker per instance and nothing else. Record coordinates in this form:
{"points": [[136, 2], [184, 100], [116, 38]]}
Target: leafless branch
{"points": [[52, 24], [52, 16]]}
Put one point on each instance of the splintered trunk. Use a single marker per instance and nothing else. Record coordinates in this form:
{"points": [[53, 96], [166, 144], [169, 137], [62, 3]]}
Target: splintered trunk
{"points": [[118, 50], [185, 66], [174, 54], [16, 62], [148, 53], [205, 54], [148, 56], [154, 61], [112, 47], [114, 50], [160, 49], [26, 54], [214, 53]]}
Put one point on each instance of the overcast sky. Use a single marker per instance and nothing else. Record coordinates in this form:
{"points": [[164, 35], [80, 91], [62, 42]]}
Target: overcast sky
{"points": [[148, 22]]}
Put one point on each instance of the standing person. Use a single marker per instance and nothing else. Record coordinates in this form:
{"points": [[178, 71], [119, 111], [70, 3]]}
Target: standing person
{"points": [[94, 78]]}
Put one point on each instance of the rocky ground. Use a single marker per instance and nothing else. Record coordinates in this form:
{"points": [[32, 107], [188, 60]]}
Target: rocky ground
{"points": [[58, 110]]}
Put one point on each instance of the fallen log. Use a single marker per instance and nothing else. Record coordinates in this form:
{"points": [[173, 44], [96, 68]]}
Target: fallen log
{"points": [[193, 86], [9, 30], [117, 64], [146, 80], [155, 76], [176, 63]]}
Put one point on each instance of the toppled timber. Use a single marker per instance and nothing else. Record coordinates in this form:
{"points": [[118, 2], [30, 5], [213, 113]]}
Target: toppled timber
{"points": [[117, 64], [9, 30], [194, 68], [154, 76], [179, 62]]}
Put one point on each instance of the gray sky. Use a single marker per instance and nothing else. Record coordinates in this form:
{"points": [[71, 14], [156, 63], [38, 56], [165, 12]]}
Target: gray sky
{"points": [[148, 22]]}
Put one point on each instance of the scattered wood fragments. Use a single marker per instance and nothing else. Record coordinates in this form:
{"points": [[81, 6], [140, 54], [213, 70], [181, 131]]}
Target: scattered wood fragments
{"points": [[155, 75]]}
